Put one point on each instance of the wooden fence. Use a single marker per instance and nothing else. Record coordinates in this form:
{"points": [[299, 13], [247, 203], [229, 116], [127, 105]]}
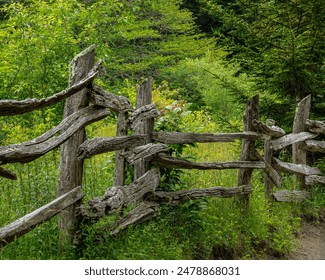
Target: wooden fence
{"points": [[146, 149]]}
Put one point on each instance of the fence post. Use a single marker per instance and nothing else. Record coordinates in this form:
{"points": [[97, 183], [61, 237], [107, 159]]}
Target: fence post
{"points": [[245, 174], [299, 154], [144, 97], [121, 130], [71, 168], [268, 154]]}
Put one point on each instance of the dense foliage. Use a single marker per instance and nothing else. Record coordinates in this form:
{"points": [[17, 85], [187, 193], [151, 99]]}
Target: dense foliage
{"points": [[207, 58]]}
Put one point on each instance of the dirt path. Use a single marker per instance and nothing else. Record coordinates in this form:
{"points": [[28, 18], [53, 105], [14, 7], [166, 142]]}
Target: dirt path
{"points": [[312, 242]]}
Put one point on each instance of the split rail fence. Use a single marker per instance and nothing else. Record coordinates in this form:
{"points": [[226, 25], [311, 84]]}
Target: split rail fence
{"points": [[146, 149]]}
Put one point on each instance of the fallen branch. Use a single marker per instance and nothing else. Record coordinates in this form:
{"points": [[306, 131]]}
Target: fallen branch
{"points": [[7, 174]]}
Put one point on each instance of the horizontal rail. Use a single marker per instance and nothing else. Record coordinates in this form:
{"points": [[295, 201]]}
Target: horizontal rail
{"points": [[15, 107]]}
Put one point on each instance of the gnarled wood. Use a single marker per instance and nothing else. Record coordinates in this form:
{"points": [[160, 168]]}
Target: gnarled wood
{"points": [[315, 146], [299, 169], [270, 130], [25, 224], [315, 126], [185, 195], [145, 152], [141, 114], [190, 137], [117, 197], [7, 174], [172, 162], [290, 196], [14, 107], [109, 100], [101, 145], [290, 139], [314, 179], [143, 212], [39, 146]]}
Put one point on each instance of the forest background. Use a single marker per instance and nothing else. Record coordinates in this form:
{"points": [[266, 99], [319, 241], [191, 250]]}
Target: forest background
{"points": [[207, 59]]}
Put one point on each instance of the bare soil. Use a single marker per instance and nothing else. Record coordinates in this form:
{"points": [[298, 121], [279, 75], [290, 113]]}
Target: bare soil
{"points": [[311, 241]]}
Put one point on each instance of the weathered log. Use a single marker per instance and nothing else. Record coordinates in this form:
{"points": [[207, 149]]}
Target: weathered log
{"points": [[14, 107], [299, 169], [71, 168], [314, 179], [172, 162], [290, 196], [145, 152], [270, 172], [117, 197], [25, 224], [109, 100], [248, 146], [141, 114], [143, 212], [315, 126], [290, 139], [270, 130], [299, 154], [7, 174], [28, 151], [189, 137], [101, 145], [315, 146], [143, 98], [185, 195]]}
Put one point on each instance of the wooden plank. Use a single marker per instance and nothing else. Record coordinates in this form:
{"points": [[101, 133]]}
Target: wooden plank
{"points": [[141, 114], [31, 150], [185, 195], [117, 103], [116, 197], [7, 174], [172, 162], [143, 98], [299, 169], [245, 174], [25, 224], [14, 107], [290, 196], [315, 126], [290, 139], [269, 129], [101, 145], [145, 152], [190, 137], [299, 154], [71, 168], [314, 179], [315, 146]]}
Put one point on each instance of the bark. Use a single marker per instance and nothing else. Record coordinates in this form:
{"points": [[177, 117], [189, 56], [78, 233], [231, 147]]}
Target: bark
{"points": [[315, 146], [314, 179], [145, 152], [140, 115], [109, 100], [28, 151], [14, 107], [189, 137], [290, 196], [298, 169], [315, 126], [269, 130], [97, 146], [291, 139], [172, 162]]}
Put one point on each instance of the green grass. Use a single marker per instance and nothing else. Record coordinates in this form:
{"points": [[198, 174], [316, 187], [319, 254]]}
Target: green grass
{"points": [[209, 228]]}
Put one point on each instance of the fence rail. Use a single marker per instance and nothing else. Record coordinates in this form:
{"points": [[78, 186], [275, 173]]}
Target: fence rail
{"points": [[146, 150]]}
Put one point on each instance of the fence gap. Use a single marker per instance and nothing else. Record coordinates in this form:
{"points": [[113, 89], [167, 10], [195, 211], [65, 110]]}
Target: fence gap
{"points": [[71, 168]]}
